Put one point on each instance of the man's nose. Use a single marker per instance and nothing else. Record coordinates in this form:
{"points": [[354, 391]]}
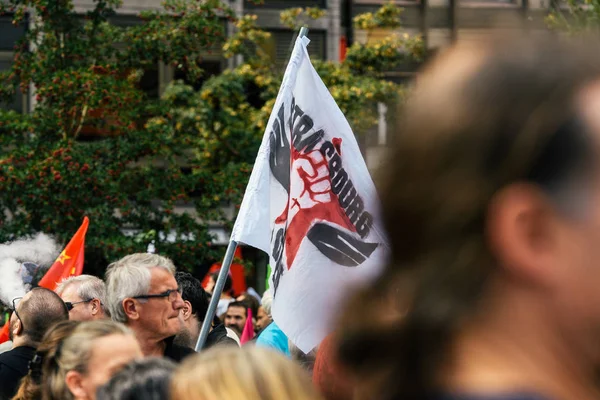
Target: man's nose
{"points": [[178, 303]]}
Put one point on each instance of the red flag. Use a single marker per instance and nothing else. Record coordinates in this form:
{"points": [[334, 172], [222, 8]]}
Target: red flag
{"points": [[248, 333], [69, 262]]}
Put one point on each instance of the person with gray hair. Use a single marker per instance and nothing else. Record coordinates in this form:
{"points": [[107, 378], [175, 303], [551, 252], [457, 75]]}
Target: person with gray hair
{"points": [[142, 293], [271, 335], [85, 297], [263, 317]]}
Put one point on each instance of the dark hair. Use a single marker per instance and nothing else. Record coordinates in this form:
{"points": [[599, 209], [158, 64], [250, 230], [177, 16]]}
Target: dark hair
{"points": [[146, 379], [228, 283], [40, 311], [252, 303], [30, 388], [240, 304], [512, 118], [193, 292]]}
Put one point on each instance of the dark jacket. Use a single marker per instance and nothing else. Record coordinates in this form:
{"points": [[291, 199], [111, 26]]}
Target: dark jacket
{"points": [[218, 336], [176, 352], [14, 365]]}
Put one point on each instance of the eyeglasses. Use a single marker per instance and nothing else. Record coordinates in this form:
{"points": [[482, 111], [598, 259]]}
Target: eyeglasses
{"points": [[15, 302], [71, 305], [171, 294]]}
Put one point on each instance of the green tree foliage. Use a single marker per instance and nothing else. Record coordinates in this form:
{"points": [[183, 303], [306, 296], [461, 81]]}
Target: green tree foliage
{"points": [[575, 16], [189, 146], [86, 73]]}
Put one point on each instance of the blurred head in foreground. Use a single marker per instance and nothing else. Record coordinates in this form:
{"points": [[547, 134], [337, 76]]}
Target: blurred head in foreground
{"points": [[491, 198], [146, 379], [249, 373]]}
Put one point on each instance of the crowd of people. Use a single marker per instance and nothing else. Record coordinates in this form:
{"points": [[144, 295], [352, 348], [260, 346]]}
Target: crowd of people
{"points": [[125, 337], [489, 202]]}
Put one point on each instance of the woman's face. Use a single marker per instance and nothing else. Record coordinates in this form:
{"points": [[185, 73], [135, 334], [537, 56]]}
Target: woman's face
{"points": [[109, 354]]}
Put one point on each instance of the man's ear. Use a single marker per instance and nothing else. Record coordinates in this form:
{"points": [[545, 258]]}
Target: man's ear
{"points": [[73, 381], [186, 311], [17, 328], [131, 309], [96, 306]]}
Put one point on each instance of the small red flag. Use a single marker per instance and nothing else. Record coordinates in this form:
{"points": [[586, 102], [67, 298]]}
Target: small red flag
{"points": [[69, 262]]}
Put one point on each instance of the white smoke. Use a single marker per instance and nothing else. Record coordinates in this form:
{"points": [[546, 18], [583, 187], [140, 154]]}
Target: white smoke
{"points": [[41, 250]]}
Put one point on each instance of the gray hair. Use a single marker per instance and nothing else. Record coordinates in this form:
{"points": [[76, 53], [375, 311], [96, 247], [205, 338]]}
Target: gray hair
{"points": [[88, 287], [130, 277], [267, 301]]}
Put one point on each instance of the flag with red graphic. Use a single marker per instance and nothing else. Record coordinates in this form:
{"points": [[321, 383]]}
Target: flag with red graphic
{"points": [[69, 262], [312, 206]]}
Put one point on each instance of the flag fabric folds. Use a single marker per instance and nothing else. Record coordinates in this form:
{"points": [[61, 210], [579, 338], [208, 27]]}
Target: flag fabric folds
{"points": [[69, 262], [311, 205]]}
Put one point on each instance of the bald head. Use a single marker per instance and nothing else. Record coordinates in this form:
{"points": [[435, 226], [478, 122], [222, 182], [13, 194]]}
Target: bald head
{"points": [[39, 310]]}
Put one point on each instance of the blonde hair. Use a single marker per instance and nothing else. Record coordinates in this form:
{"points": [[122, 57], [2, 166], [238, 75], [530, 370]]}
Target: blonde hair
{"points": [[249, 373], [73, 354]]}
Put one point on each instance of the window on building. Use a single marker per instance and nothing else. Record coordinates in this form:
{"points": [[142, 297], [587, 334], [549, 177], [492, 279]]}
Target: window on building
{"points": [[280, 45], [19, 101], [283, 4], [9, 35]]}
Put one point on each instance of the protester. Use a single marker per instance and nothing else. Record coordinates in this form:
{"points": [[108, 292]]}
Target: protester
{"points": [[194, 310], [30, 387], [143, 294], [491, 201], [236, 316], [86, 359], [147, 379], [262, 319], [272, 336], [85, 297], [32, 316], [252, 303], [248, 373]]}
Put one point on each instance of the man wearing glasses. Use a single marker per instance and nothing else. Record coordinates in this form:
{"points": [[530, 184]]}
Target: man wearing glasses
{"points": [[32, 316], [85, 297], [142, 293]]}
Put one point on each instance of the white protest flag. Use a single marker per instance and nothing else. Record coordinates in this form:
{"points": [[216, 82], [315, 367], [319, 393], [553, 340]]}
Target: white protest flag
{"points": [[312, 206]]}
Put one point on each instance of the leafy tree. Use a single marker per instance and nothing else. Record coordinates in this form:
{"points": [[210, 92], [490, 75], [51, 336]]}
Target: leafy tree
{"points": [[192, 146], [577, 16], [86, 73]]}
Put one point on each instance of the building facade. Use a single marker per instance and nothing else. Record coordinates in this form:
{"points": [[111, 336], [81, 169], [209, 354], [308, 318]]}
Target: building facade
{"points": [[440, 22]]}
